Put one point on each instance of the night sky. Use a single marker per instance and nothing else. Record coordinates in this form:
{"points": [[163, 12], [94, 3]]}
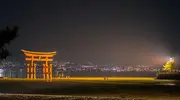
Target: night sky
{"points": [[100, 31]]}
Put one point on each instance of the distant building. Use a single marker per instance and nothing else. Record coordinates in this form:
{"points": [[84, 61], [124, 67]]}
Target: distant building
{"points": [[169, 66], [1, 73]]}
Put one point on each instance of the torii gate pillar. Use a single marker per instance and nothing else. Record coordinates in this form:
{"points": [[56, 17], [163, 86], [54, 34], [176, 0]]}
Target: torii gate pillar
{"points": [[39, 56]]}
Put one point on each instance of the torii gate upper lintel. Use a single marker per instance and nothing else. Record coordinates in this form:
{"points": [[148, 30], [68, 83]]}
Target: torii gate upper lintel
{"points": [[39, 56]]}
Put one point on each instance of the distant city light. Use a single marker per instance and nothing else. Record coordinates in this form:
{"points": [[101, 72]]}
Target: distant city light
{"points": [[171, 59], [1, 72]]}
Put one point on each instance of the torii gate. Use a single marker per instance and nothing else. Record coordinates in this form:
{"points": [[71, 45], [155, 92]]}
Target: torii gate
{"points": [[39, 56]]}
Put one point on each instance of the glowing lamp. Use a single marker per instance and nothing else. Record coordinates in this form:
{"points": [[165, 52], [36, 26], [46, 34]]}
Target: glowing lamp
{"points": [[171, 60], [1, 72]]}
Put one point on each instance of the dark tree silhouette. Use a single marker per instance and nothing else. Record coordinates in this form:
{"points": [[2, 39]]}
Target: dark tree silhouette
{"points": [[6, 36]]}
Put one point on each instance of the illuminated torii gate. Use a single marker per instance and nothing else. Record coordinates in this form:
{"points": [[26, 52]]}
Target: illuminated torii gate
{"points": [[39, 56]]}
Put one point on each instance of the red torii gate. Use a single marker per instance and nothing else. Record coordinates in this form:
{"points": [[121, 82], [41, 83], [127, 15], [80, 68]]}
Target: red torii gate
{"points": [[39, 56]]}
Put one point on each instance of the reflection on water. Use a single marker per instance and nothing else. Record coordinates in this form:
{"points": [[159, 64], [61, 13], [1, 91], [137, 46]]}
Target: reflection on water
{"points": [[111, 74], [170, 83]]}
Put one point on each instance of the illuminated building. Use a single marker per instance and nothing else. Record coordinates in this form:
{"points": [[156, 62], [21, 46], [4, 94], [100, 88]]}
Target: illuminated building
{"points": [[1, 73], [169, 66]]}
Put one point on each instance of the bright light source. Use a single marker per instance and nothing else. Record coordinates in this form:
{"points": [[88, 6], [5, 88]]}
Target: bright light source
{"points": [[170, 59], [1, 72]]}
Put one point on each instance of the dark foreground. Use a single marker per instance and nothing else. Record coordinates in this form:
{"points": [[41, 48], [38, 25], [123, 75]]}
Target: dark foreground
{"points": [[63, 90]]}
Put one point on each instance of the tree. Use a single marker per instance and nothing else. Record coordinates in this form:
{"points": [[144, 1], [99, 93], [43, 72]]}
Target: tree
{"points": [[6, 37]]}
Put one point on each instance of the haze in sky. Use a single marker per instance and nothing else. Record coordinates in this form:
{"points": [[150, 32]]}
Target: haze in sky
{"points": [[100, 31]]}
